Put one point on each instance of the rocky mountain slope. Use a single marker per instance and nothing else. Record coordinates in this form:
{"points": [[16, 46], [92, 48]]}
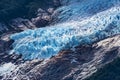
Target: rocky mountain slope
{"points": [[74, 40], [70, 65], [28, 14]]}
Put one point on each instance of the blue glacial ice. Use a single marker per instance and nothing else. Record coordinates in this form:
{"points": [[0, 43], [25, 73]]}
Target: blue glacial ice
{"points": [[80, 9], [45, 42]]}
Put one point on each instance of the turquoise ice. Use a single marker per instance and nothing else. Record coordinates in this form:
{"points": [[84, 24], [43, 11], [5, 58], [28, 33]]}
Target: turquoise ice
{"points": [[46, 42]]}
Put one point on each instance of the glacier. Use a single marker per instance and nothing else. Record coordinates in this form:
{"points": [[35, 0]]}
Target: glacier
{"points": [[45, 42], [80, 9]]}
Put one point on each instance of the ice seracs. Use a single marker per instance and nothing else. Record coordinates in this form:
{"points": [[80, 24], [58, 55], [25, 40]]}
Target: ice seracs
{"points": [[46, 42], [80, 9]]}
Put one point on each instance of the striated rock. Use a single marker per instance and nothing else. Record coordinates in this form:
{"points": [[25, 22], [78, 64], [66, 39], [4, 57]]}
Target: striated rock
{"points": [[70, 65], [16, 25], [5, 47], [41, 19], [3, 28], [21, 24], [44, 15], [108, 72]]}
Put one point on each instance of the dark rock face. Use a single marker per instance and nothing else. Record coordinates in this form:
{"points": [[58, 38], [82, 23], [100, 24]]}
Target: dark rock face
{"points": [[44, 16], [24, 8], [16, 25], [110, 71], [5, 47], [41, 19], [70, 65]]}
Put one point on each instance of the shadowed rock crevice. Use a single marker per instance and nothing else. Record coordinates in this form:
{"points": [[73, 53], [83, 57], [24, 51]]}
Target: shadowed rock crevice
{"points": [[111, 54], [110, 71]]}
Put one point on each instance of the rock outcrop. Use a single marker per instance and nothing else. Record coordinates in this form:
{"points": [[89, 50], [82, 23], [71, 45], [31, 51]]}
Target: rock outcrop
{"points": [[42, 18]]}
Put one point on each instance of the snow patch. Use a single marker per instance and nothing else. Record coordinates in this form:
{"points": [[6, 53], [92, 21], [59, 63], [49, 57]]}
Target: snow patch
{"points": [[6, 68]]}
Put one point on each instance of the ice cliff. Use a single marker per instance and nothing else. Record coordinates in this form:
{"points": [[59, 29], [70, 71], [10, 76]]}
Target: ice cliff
{"points": [[46, 42]]}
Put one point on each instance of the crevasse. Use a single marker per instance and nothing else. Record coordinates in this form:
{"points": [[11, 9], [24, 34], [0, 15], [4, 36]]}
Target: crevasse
{"points": [[45, 42]]}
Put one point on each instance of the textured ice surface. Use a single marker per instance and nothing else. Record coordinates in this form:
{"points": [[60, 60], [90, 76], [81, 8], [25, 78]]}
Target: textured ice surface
{"points": [[6, 68], [79, 9], [45, 42]]}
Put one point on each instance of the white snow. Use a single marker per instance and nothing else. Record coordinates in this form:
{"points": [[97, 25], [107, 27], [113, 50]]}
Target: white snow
{"points": [[6, 68]]}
